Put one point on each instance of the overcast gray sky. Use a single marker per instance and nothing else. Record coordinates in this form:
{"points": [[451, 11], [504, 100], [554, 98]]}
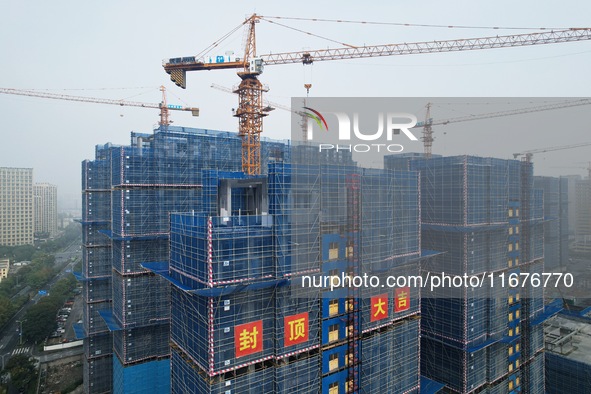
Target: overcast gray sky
{"points": [[103, 47]]}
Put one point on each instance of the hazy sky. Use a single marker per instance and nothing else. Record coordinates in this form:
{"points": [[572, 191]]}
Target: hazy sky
{"points": [[111, 48]]}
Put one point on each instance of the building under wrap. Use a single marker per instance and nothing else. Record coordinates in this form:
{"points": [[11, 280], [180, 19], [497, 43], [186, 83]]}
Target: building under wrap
{"points": [[241, 320], [484, 216], [128, 193], [556, 220], [193, 272], [568, 354]]}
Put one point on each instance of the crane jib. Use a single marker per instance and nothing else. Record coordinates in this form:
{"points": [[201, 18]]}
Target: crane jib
{"points": [[249, 91]]}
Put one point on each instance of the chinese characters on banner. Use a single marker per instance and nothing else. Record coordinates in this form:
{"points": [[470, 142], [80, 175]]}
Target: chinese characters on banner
{"points": [[379, 307], [402, 299], [296, 329], [248, 338]]}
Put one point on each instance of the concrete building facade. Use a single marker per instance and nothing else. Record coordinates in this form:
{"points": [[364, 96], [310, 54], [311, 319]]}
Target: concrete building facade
{"points": [[45, 197], [16, 206]]}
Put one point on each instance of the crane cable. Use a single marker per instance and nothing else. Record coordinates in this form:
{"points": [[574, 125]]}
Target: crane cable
{"points": [[219, 40], [418, 24], [310, 34]]}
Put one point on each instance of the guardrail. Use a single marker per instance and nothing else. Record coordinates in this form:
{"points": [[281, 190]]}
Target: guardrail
{"points": [[62, 346]]}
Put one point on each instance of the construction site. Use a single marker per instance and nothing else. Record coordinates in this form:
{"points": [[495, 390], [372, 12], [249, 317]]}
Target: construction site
{"points": [[201, 249], [211, 297]]}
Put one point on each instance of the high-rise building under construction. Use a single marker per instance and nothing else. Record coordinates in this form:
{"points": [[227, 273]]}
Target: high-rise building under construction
{"points": [[238, 322], [128, 193], [245, 315], [199, 279], [486, 219]]}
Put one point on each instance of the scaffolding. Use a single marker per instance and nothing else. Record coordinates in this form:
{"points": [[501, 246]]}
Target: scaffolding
{"points": [[393, 349], [96, 271], [237, 265], [556, 220], [473, 339], [153, 176], [128, 194], [98, 374]]}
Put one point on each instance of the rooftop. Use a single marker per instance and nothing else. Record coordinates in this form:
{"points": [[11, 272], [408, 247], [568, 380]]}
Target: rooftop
{"points": [[569, 338]]}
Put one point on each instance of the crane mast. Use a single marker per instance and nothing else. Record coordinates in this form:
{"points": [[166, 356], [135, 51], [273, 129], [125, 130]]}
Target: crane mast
{"points": [[250, 112]]}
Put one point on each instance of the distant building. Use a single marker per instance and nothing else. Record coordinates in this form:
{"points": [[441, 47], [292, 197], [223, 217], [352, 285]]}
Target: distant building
{"points": [[572, 214], [45, 197], [16, 206], [556, 220], [583, 216], [4, 267]]}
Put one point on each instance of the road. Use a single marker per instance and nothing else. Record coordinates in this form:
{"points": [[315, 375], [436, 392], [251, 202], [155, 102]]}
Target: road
{"points": [[10, 340]]}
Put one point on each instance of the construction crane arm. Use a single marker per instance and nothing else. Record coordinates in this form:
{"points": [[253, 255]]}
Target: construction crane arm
{"points": [[35, 93], [250, 111], [177, 67], [468, 44], [529, 153], [517, 111]]}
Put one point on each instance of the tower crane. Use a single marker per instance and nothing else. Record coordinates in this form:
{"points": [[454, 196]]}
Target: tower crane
{"points": [[250, 91], [588, 169], [428, 124], [163, 106], [528, 154]]}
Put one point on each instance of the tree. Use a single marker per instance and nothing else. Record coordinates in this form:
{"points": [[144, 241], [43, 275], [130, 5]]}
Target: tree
{"points": [[22, 371], [39, 320], [6, 310], [64, 286]]}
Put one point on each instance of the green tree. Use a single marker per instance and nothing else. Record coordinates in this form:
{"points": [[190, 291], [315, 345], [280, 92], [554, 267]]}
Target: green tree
{"points": [[6, 310], [22, 371], [63, 287], [39, 320]]}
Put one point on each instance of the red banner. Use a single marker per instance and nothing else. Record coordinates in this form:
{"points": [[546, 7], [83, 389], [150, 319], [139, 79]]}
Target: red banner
{"points": [[248, 338], [296, 329], [401, 299], [379, 307]]}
